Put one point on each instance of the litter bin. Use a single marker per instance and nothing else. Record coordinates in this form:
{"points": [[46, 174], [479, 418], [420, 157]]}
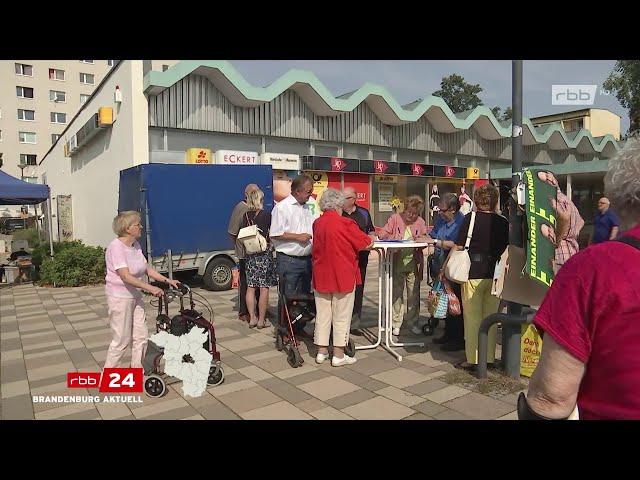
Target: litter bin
{"points": [[11, 273]]}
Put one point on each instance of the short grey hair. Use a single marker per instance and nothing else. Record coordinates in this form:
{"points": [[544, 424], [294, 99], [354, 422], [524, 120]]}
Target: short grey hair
{"points": [[450, 201], [123, 221], [622, 183], [331, 199]]}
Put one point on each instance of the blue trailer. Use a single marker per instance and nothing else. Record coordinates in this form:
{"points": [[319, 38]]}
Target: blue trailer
{"points": [[185, 212]]}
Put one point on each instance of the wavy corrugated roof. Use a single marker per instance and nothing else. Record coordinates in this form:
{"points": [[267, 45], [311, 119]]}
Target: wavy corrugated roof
{"points": [[322, 102]]}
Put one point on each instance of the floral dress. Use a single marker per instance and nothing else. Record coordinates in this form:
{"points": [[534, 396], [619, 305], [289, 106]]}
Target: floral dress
{"points": [[261, 267]]}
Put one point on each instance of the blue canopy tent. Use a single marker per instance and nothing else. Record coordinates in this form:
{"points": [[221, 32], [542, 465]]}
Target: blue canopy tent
{"points": [[18, 192]]}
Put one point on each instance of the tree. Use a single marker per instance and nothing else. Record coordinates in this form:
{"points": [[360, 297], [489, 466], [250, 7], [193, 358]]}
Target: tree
{"points": [[458, 94], [500, 115], [625, 82]]}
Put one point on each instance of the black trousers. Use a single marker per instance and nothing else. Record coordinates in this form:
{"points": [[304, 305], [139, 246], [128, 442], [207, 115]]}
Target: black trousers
{"points": [[242, 291], [363, 261], [454, 325]]}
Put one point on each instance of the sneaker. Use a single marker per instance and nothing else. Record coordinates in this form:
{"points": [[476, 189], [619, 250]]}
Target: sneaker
{"points": [[396, 332], [345, 360], [416, 330], [321, 357]]}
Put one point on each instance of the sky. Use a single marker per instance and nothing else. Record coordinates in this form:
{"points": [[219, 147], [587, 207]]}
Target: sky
{"points": [[408, 80]]}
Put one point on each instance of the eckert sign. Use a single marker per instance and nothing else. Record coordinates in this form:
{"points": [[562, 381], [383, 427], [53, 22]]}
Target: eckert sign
{"points": [[231, 157], [281, 161]]}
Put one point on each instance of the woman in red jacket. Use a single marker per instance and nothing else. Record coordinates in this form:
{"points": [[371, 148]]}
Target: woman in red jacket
{"points": [[336, 243]]}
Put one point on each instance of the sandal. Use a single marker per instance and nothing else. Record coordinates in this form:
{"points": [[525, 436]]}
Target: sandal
{"points": [[253, 325], [264, 324], [470, 367]]}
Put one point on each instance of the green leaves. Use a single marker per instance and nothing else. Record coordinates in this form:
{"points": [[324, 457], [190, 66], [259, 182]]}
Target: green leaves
{"points": [[459, 95], [624, 81], [74, 265]]}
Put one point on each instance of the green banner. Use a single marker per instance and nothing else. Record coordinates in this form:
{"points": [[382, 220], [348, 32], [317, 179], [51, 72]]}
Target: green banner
{"points": [[541, 223]]}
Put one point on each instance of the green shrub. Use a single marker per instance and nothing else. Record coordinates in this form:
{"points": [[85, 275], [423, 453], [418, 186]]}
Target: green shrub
{"points": [[43, 250], [74, 265], [30, 235]]}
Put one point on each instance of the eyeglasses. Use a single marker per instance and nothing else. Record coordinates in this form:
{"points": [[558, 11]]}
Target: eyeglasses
{"points": [[349, 198], [137, 225]]}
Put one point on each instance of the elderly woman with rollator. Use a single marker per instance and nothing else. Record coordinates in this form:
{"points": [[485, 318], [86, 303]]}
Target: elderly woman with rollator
{"points": [[336, 243]]}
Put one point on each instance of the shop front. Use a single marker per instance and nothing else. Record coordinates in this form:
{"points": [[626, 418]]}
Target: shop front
{"points": [[378, 183]]}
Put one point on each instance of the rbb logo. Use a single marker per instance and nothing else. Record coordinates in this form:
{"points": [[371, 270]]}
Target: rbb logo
{"points": [[121, 380], [111, 380], [83, 379]]}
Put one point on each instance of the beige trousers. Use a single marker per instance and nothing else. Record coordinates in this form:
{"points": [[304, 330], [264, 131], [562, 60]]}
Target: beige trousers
{"points": [[333, 310], [128, 325]]}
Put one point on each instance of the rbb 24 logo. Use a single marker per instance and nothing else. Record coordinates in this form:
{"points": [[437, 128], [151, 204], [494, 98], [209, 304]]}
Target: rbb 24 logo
{"points": [[111, 380]]}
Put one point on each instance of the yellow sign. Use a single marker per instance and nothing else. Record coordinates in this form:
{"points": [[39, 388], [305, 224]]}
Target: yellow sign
{"points": [[530, 350], [473, 173], [105, 116], [386, 179], [201, 156]]}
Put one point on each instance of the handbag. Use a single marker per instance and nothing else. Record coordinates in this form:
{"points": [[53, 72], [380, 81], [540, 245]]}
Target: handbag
{"points": [[252, 238], [459, 263], [438, 301], [453, 308]]}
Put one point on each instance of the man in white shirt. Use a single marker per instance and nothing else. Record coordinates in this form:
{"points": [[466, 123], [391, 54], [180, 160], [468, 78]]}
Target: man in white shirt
{"points": [[291, 232]]}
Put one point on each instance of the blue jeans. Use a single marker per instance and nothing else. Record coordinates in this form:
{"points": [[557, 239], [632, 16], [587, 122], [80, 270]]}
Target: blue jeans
{"points": [[297, 275]]}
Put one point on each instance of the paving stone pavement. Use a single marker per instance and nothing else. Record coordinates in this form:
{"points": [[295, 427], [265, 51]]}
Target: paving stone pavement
{"points": [[48, 332]]}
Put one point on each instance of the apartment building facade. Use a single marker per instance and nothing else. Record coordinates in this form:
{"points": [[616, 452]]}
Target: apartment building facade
{"points": [[38, 98]]}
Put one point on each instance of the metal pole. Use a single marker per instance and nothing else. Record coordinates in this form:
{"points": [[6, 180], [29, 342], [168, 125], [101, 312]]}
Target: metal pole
{"points": [[50, 226], [511, 332], [170, 264]]}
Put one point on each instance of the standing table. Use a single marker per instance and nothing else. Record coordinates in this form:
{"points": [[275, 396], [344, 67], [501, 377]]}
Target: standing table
{"points": [[386, 251]]}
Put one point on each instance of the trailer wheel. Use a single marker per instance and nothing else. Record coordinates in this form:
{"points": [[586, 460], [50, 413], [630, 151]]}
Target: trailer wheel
{"points": [[218, 275]]}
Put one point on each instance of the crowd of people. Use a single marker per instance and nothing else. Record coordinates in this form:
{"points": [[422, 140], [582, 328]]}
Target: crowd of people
{"points": [[589, 317]]}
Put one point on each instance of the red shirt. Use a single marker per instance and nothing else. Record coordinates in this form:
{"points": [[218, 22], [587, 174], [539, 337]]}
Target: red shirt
{"points": [[593, 310], [336, 243]]}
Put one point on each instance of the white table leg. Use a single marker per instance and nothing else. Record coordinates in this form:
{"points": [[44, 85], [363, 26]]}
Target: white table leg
{"points": [[390, 341], [381, 260]]}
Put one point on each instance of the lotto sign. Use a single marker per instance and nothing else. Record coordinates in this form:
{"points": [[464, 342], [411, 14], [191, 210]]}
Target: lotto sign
{"points": [[111, 380], [201, 156], [473, 173]]}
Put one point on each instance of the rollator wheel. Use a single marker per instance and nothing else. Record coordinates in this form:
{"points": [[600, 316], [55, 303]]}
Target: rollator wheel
{"points": [[279, 342], [294, 358], [216, 376], [350, 348], [154, 386], [428, 329]]}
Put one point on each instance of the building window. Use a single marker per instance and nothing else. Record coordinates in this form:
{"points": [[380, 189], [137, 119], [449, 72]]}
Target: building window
{"points": [[27, 115], [57, 96], [111, 63], [165, 68], [24, 92], [56, 74], [86, 78], [84, 98], [24, 69], [27, 137], [28, 159], [57, 117], [30, 179], [87, 61], [574, 125], [55, 137]]}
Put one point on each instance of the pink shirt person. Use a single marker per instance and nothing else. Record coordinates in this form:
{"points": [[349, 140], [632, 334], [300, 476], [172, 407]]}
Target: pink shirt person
{"points": [[119, 255]]}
